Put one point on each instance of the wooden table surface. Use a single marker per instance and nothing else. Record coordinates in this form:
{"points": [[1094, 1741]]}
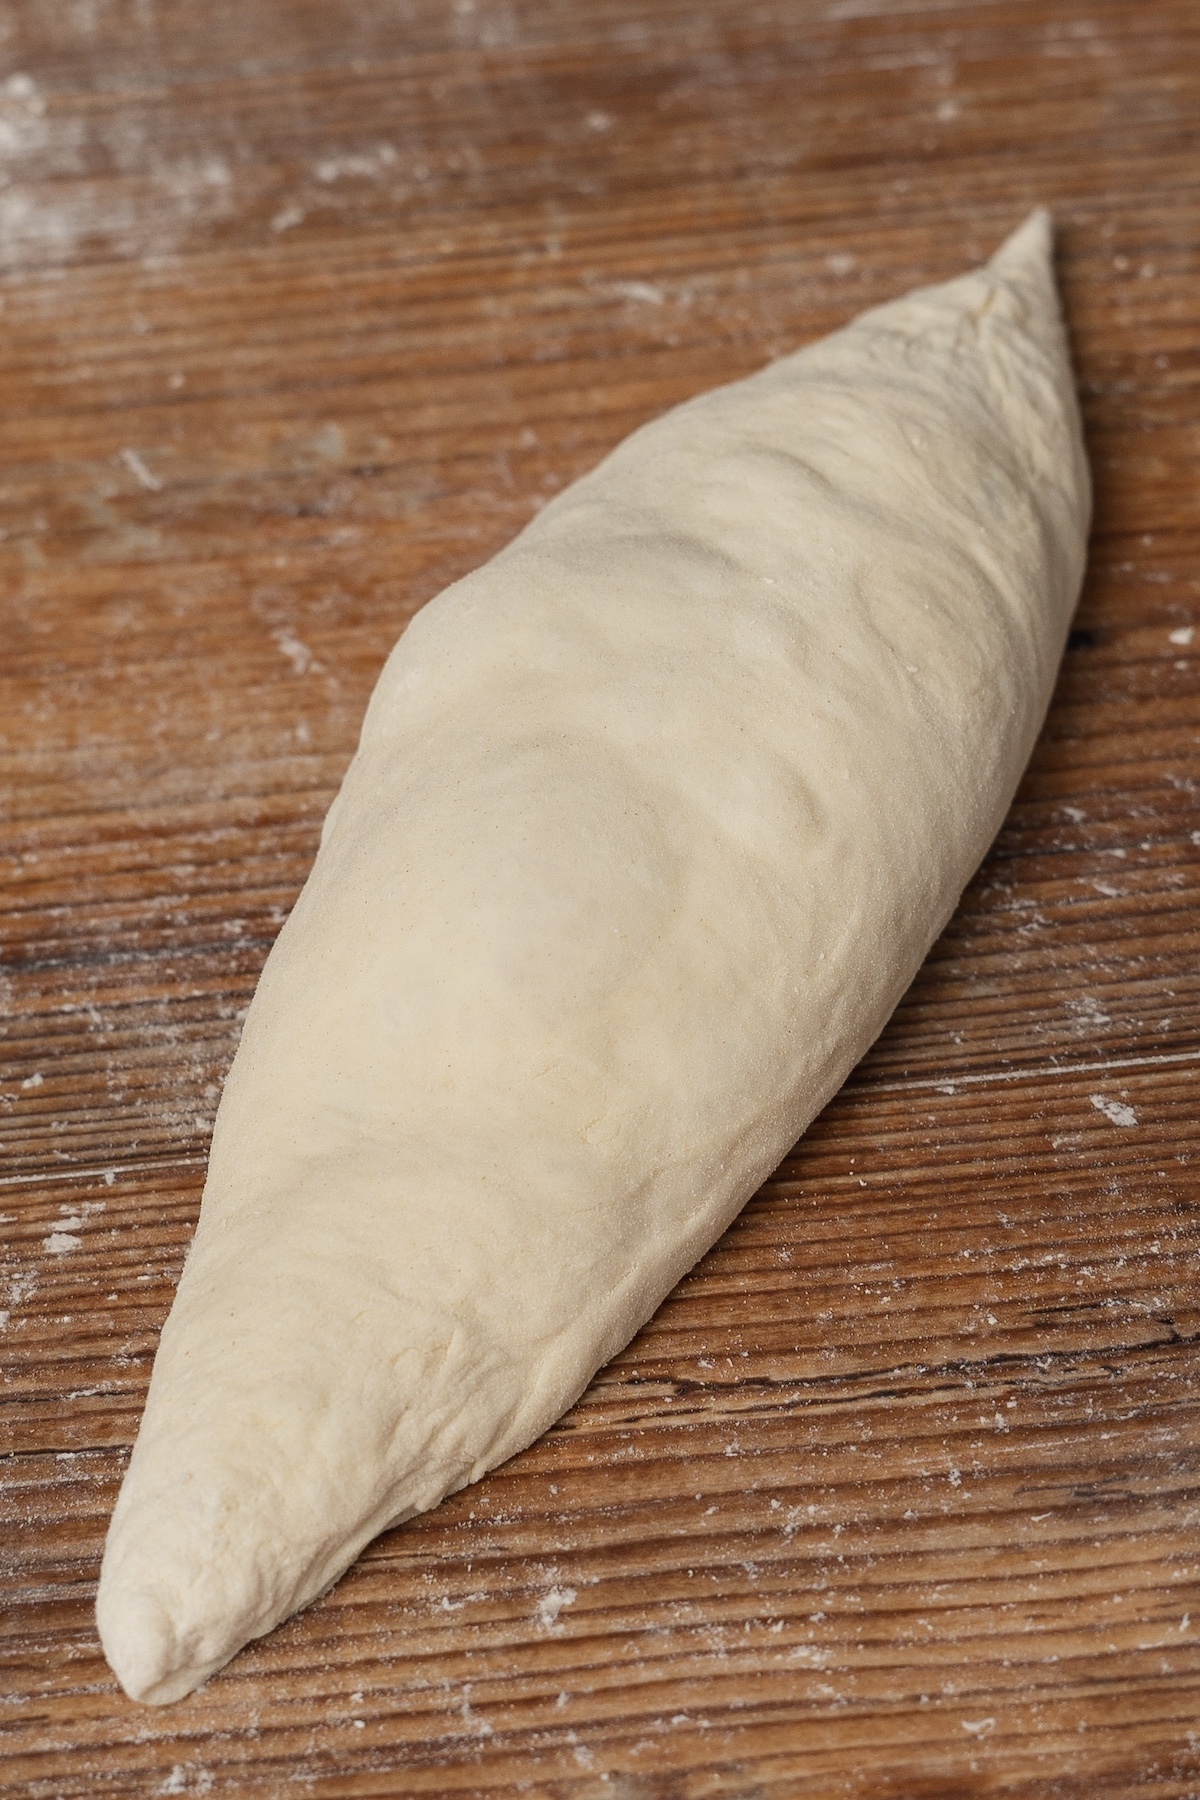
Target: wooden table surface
{"points": [[307, 306]]}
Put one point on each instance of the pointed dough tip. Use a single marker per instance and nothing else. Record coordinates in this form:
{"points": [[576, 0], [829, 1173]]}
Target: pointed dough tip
{"points": [[137, 1640], [142, 1649], [1031, 243]]}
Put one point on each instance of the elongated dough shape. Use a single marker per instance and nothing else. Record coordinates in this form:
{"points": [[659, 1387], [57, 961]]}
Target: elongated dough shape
{"points": [[652, 821]]}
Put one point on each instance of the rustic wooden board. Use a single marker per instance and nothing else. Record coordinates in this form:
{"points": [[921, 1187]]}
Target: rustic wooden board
{"points": [[305, 308]]}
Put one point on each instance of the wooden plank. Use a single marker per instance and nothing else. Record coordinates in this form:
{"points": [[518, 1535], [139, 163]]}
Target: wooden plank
{"points": [[306, 308]]}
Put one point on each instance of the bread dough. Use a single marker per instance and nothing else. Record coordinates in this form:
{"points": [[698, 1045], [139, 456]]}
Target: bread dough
{"points": [[652, 821]]}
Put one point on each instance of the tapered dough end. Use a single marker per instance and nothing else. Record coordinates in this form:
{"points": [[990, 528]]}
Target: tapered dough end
{"points": [[164, 1622], [180, 1592], [1024, 264], [1030, 245], [143, 1649], [300, 1404]]}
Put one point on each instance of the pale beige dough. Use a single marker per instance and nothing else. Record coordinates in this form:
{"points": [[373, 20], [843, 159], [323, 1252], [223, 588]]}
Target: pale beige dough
{"points": [[653, 819]]}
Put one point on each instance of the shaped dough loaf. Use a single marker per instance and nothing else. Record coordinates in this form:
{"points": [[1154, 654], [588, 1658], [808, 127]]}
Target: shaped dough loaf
{"points": [[652, 822]]}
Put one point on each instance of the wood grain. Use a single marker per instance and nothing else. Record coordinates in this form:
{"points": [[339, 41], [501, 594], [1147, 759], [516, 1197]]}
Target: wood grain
{"points": [[306, 307]]}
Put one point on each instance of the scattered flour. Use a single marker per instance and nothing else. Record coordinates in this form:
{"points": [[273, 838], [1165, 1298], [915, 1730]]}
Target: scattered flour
{"points": [[370, 166], [551, 1604], [637, 290], [1115, 1111], [186, 1778], [140, 472], [296, 651], [70, 1222]]}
